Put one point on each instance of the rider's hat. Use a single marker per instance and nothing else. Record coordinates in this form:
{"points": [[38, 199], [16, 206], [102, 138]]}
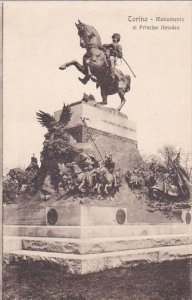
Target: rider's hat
{"points": [[117, 35]]}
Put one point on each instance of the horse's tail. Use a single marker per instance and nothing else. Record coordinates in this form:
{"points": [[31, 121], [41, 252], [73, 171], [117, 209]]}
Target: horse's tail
{"points": [[128, 78]]}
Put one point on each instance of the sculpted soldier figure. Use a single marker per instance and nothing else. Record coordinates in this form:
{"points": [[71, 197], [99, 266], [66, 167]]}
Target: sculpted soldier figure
{"points": [[32, 172], [88, 165], [85, 162], [110, 166], [33, 164], [112, 52]]}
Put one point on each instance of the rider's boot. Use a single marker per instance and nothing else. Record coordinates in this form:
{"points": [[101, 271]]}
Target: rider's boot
{"points": [[111, 67]]}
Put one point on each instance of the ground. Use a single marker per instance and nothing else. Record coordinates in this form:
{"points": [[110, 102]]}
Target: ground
{"points": [[165, 281]]}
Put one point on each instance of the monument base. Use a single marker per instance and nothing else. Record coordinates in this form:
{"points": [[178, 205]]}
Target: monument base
{"points": [[87, 249], [79, 232], [93, 239], [98, 261]]}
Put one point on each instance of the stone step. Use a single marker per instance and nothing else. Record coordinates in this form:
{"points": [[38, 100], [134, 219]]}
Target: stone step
{"points": [[97, 231], [94, 245], [85, 246], [89, 263]]}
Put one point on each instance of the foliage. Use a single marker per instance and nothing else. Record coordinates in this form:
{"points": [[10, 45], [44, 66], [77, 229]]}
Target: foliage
{"points": [[164, 176], [168, 152]]}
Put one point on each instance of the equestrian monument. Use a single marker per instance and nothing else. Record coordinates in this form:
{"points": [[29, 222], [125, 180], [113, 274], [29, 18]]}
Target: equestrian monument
{"points": [[77, 210]]}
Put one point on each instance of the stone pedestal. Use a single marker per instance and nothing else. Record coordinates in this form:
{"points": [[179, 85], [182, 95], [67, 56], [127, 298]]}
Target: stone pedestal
{"points": [[85, 215], [12, 214], [87, 255], [111, 130], [84, 239], [98, 117]]}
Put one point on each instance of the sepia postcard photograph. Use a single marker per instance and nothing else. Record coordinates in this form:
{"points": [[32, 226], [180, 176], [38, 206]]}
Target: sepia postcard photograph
{"points": [[97, 150]]}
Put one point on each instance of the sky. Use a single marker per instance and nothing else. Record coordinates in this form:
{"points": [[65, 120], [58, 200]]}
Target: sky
{"points": [[40, 36]]}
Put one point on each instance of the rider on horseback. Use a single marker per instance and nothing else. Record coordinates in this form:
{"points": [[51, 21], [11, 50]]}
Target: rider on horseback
{"points": [[96, 67], [112, 52], [88, 164]]}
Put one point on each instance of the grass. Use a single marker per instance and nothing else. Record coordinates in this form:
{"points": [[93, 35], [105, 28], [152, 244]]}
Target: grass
{"points": [[165, 281]]}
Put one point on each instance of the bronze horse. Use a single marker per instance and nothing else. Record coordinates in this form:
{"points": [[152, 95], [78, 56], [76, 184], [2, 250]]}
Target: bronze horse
{"points": [[95, 61], [106, 180], [82, 179]]}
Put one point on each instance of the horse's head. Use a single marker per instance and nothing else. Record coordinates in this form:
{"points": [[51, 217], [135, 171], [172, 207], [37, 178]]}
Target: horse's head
{"points": [[88, 35]]}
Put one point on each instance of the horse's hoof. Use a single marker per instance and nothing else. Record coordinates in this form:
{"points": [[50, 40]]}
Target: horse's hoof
{"points": [[82, 80], [103, 103], [63, 67], [121, 105]]}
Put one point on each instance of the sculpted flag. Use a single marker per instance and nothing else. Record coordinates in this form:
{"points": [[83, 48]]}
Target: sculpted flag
{"points": [[180, 175]]}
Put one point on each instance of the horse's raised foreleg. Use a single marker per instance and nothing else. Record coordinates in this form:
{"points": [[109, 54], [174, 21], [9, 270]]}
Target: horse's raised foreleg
{"points": [[75, 63], [121, 94]]}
